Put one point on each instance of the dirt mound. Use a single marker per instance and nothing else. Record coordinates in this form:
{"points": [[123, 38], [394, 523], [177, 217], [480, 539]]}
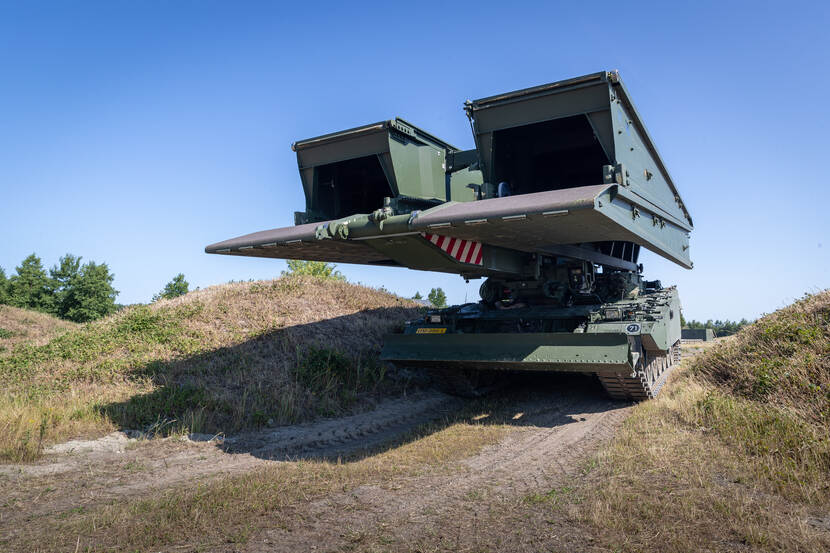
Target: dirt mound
{"points": [[31, 327], [782, 359], [219, 360]]}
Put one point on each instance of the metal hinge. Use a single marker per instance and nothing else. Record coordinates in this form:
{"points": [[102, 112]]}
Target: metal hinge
{"points": [[615, 174]]}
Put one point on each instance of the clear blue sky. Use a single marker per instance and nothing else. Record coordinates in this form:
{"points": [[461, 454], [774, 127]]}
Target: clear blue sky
{"points": [[135, 133]]}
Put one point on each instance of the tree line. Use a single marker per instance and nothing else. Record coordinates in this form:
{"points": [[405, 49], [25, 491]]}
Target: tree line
{"points": [[71, 290], [721, 328], [84, 292], [436, 297]]}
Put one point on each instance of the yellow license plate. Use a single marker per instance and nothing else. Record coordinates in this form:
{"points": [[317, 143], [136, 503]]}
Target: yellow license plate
{"points": [[431, 331]]}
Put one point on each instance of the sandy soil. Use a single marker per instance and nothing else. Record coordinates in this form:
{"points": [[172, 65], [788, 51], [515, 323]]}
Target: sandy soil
{"points": [[553, 438], [554, 434], [84, 473]]}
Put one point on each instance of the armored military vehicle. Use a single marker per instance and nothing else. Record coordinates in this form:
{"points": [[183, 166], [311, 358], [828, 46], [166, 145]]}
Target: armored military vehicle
{"points": [[551, 209]]}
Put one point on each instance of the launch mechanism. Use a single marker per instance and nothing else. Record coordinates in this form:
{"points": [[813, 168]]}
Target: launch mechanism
{"points": [[551, 209]]}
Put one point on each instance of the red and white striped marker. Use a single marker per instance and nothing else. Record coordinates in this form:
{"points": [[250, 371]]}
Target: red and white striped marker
{"points": [[465, 251]]}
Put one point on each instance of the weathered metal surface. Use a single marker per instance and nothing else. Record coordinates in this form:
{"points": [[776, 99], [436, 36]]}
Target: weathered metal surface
{"points": [[532, 222], [529, 222], [298, 242]]}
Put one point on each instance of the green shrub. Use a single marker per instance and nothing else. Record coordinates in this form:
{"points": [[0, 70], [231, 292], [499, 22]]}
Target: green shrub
{"points": [[173, 289], [334, 378], [319, 269]]}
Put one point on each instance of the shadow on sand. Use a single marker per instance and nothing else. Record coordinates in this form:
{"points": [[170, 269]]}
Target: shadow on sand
{"points": [[258, 393], [545, 400]]}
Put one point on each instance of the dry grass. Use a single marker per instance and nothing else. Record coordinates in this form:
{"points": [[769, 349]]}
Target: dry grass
{"points": [[782, 360], [222, 359], [669, 483], [735, 455], [231, 509], [19, 326]]}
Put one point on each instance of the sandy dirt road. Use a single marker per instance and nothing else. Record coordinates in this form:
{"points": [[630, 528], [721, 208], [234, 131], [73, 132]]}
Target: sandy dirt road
{"points": [[556, 424], [85, 473], [554, 437]]}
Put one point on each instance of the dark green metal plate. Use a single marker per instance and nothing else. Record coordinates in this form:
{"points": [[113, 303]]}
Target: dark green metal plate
{"points": [[530, 351]]}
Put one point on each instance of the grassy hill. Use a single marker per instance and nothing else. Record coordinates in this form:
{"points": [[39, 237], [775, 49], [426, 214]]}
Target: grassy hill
{"points": [[31, 327], [735, 454], [782, 361], [222, 359]]}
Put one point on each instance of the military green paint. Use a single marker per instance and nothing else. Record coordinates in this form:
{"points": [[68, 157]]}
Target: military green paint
{"points": [[588, 188], [413, 161], [524, 351], [463, 185], [604, 101]]}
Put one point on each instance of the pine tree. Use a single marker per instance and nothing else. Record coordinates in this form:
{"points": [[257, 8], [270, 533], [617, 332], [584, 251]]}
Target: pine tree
{"points": [[89, 294], [4, 286], [64, 277], [30, 287], [173, 289], [319, 269]]}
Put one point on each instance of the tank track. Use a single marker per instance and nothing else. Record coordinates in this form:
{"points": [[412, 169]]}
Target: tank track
{"points": [[645, 382]]}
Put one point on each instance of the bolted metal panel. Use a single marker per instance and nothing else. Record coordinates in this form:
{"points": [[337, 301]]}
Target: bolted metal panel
{"points": [[418, 169], [409, 160], [603, 101], [299, 242], [528, 351], [531, 223]]}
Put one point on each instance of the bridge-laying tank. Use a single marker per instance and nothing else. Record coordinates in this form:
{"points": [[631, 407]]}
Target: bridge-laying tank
{"points": [[551, 210]]}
